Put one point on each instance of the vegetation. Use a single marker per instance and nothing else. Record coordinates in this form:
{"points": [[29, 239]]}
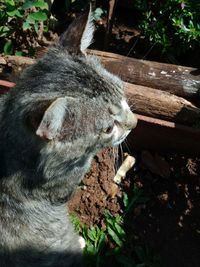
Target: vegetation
{"points": [[21, 24], [116, 244], [173, 25]]}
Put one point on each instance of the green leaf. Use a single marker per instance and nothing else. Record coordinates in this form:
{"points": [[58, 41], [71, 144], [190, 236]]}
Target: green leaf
{"points": [[41, 4], [11, 13], [90, 249], [92, 234], [115, 237], [36, 27], [120, 230], [19, 53], [26, 26], [125, 200], [8, 48], [28, 4], [4, 31], [101, 241], [46, 28], [10, 2], [30, 20], [38, 16]]}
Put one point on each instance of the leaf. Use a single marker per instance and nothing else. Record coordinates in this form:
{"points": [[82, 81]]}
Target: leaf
{"points": [[125, 200], [120, 230], [11, 13], [30, 20], [101, 242], [18, 53], [8, 48], [41, 4], [10, 2], [114, 236], [28, 4], [90, 249], [92, 234], [26, 26], [4, 31], [36, 27], [38, 16]]}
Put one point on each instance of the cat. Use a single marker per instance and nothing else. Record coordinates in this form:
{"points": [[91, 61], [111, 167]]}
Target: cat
{"points": [[63, 110]]}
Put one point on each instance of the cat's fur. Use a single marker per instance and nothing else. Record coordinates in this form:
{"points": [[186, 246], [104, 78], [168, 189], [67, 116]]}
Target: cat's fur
{"points": [[63, 110]]}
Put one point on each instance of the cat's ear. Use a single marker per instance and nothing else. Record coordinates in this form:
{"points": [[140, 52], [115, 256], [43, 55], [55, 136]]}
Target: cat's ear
{"points": [[52, 119], [79, 34]]}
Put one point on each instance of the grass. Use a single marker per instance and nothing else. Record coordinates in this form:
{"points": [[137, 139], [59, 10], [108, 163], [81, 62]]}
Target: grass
{"points": [[116, 245]]}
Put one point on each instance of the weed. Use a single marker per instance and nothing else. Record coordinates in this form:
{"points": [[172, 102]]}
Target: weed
{"points": [[113, 246]]}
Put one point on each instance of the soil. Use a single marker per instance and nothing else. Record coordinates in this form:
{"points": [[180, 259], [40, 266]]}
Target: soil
{"points": [[168, 222], [98, 190]]}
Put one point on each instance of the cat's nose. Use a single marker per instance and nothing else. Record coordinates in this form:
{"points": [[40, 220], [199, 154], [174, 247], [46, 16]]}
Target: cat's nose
{"points": [[131, 121]]}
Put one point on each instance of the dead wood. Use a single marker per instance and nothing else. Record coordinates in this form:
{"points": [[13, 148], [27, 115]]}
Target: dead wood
{"points": [[178, 80], [160, 104]]}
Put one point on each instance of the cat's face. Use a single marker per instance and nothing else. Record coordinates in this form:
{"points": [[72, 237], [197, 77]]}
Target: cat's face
{"points": [[121, 122]]}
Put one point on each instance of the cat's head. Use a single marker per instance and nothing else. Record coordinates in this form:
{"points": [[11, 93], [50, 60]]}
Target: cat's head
{"points": [[69, 101], [96, 103]]}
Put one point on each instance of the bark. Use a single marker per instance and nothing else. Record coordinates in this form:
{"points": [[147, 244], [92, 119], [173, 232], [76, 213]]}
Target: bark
{"points": [[161, 104], [178, 80]]}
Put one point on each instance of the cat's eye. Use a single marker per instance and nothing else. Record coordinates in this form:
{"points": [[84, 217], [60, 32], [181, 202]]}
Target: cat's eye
{"points": [[109, 129]]}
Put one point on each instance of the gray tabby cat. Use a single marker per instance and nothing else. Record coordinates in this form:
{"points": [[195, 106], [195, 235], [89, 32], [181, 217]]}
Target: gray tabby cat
{"points": [[63, 110]]}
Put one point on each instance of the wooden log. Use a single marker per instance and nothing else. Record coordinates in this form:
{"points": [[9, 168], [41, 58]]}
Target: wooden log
{"points": [[178, 80], [163, 136], [161, 104], [15, 64]]}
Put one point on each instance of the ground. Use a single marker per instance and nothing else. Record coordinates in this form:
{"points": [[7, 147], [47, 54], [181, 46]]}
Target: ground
{"points": [[167, 221]]}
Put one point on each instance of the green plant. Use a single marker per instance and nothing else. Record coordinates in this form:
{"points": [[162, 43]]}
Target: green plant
{"points": [[21, 24], [114, 229], [173, 25], [95, 239], [112, 244], [134, 199]]}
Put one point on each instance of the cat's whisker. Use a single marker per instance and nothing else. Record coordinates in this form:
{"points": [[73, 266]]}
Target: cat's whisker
{"points": [[127, 147], [121, 151]]}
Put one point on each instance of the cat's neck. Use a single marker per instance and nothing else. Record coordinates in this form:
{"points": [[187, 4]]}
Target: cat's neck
{"points": [[54, 182]]}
